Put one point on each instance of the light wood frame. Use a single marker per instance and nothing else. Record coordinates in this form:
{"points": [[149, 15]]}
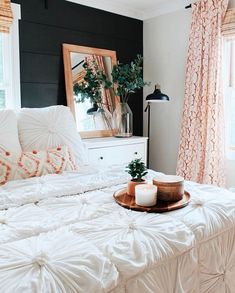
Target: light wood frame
{"points": [[67, 49]]}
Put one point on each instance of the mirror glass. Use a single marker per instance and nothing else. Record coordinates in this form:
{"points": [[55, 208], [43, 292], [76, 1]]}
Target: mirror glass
{"points": [[92, 119]]}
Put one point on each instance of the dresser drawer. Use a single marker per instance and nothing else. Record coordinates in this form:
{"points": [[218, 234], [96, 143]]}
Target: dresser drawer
{"points": [[119, 154]]}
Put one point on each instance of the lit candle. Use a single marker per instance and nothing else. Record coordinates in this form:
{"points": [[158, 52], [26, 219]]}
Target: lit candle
{"points": [[146, 195]]}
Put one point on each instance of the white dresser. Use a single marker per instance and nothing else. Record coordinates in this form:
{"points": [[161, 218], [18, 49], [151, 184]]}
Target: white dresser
{"points": [[112, 150]]}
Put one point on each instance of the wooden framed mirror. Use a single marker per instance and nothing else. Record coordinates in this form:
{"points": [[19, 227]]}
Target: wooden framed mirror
{"points": [[90, 122]]}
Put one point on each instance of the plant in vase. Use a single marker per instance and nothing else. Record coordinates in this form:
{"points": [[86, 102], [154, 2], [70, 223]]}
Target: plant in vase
{"points": [[137, 170], [95, 81], [127, 79]]}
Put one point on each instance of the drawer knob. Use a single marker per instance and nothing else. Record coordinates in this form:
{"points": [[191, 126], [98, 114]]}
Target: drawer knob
{"points": [[101, 158], [136, 153]]}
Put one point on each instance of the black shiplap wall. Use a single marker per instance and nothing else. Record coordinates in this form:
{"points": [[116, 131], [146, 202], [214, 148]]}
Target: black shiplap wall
{"points": [[42, 33]]}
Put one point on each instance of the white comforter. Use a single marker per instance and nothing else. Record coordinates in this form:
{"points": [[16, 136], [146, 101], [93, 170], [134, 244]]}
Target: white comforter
{"points": [[65, 233]]}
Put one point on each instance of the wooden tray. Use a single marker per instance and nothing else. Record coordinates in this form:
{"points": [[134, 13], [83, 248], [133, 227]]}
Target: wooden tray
{"points": [[128, 202]]}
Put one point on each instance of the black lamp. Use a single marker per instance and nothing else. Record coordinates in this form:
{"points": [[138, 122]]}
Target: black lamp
{"points": [[156, 97], [93, 110]]}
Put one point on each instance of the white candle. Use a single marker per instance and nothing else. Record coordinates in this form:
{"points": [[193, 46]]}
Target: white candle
{"points": [[146, 195]]}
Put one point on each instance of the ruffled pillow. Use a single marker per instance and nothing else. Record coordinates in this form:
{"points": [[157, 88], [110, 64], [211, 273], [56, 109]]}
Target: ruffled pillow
{"points": [[46, 128], [35, 163]]}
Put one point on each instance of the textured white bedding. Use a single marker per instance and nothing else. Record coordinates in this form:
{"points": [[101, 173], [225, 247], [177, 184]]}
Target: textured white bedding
{"points": [[65, 233]]}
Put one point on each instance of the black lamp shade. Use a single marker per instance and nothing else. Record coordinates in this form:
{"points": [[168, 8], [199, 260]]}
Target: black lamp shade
{"points": [[157, 96], [93, 109]]}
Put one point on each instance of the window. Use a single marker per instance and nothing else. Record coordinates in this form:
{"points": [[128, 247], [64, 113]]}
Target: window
{"points": [[229, 95], [9, 64]]}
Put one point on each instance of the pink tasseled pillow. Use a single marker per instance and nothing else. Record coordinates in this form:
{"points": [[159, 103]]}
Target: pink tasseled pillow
{"points": [[35, 163]]}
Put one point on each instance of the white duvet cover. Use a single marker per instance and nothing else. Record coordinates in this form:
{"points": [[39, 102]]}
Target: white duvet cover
{"points": [[65, 233]]}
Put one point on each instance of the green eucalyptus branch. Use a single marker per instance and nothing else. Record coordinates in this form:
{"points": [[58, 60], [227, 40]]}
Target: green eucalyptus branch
{"points": [[91, 88], [126, 80]]}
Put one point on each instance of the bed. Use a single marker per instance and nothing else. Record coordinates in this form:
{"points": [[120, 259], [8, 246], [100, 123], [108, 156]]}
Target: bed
{"points": [[65, 233]]}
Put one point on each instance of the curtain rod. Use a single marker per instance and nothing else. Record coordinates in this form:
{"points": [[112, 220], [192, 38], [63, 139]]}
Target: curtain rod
{"points": [[79, 63], [188, 6]]}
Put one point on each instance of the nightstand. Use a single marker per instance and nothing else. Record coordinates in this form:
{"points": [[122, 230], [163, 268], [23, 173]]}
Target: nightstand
{"points": [[112, 150]]}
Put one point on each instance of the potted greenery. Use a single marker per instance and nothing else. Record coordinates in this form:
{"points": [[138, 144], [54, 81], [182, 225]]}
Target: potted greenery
{"points": [[127, 79], [137, 170]]}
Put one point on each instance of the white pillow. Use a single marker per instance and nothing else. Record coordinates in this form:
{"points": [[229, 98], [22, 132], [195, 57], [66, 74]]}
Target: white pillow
{"points": [[46, 128], [9, 140]]}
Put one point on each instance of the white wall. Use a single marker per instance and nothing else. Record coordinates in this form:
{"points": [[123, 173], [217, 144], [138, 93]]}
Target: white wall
{"points": [[230, 172], [165, 50], [165, 55], [232, 3]]}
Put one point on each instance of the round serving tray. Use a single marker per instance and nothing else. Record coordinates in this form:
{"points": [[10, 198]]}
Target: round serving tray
{"points": [[128, 202]]}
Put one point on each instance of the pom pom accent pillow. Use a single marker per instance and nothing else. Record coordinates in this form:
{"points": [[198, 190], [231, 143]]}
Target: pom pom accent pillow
{"points": [[9, 140], [35, 163], [45, 128]]}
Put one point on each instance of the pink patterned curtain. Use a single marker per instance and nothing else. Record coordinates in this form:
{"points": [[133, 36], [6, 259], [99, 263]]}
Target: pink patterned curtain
{"points": [[201, 152]]}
